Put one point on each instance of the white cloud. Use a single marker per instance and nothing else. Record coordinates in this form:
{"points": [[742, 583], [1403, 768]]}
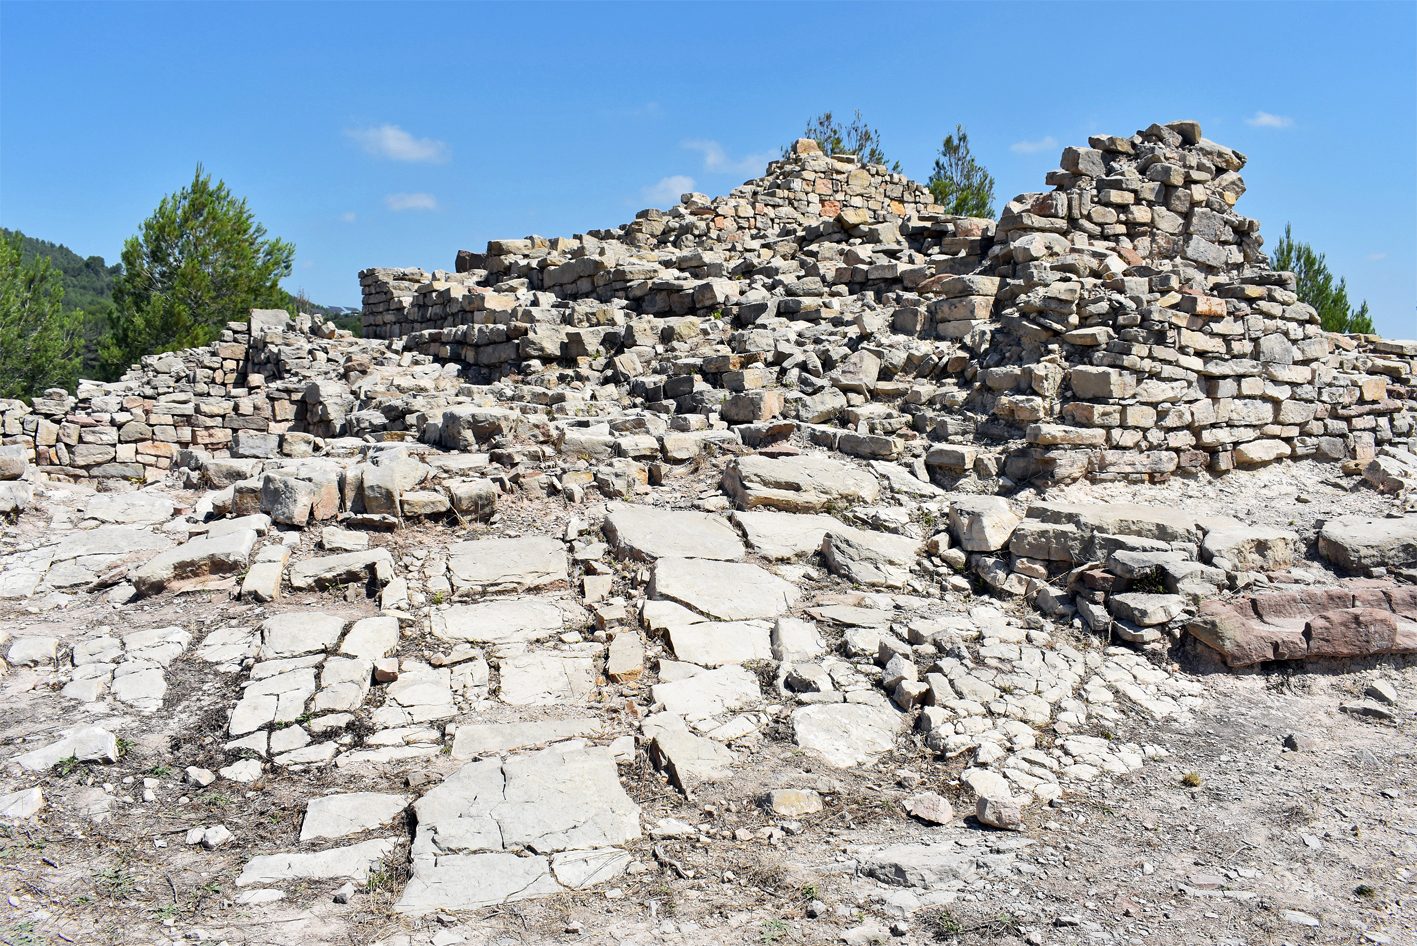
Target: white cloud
{"points": [[1266, 120], [1028, 147], [717, 161], [1376, 256], [391, 141], [399, 202], [348, 217], [308, 264], [666, 192]]}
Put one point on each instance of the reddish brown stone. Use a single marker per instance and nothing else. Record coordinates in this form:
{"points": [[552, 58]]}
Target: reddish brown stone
{"points": [[1326, 599], [1371, 598], [1356, 632], [1232, 629], [1403, 601], [1282, 609]]}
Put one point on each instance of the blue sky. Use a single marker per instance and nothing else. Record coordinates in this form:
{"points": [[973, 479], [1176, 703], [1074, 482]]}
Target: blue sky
{"points": [[372, 134]]}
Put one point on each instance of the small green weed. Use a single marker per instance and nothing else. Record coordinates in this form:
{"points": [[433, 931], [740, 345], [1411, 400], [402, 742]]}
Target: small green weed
{"points": [[68, 766], [159, 771], [1364, 891], [772, 931]]}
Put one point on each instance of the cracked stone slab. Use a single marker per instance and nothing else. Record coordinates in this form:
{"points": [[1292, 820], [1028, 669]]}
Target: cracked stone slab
{"points": [[501, 621], [782, 535], [647, 533], [135, 508], [89, 744], [468, 881], [487, 739], [728, 591], [545, 679], [487, 565], [299, 632], [716, 643], [708, 694], [846, 734], [353, 862], [338, 816]]}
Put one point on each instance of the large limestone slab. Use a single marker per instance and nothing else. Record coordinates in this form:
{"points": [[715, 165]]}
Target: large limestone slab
{"points": [[371, 638], [488, 565], [647, 533], [487, 739], [689, 759], [545, 679], [874, 559], [929, 866], [797, 484], [223, 554], [328, 570], [846, 734], [729, 591], [468, 881], [565, 798], [108, 541], [500, 621], [136, 508], [780, 536], [709, 694], [339, 816], [353, 862], [1148, 522], [89, 744], [1252, 548], [299, 632], [715, 643], [1358, 543]]}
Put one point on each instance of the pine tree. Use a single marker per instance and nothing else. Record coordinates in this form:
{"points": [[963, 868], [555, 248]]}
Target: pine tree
{"points": [[201, 260], [858, 138], [39, 341], [961, 184], [1315, 286]]}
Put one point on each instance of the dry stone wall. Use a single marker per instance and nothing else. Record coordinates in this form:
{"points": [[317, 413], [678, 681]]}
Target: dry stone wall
{"points": [[1124, 324]]}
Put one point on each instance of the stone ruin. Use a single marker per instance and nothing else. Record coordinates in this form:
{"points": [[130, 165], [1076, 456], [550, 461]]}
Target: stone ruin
{"points": [[873, 385]]}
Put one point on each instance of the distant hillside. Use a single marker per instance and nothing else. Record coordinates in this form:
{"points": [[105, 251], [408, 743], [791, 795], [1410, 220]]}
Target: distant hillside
{"points": [[88, 287], [88, 283]]}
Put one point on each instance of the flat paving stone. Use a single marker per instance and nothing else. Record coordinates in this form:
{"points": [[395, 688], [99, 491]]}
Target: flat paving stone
{"points": [[135, 508], [649, 533], [299, 632], [781, 535], [371, 638], [846, 734], [728, 591], [545, 679], [797, 484], [487, 565], [715, 643], [338, 816], [353, 862], [502, 620], [709, 694], [479, 740]]}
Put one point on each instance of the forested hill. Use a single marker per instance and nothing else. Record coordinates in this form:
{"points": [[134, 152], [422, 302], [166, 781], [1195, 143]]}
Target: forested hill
{"points": [[88, 283]]}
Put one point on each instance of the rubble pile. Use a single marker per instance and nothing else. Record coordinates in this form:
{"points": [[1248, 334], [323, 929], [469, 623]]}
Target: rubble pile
{"points": [[811, 469]]}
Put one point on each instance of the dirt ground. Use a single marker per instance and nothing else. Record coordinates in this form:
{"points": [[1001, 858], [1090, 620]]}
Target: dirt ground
{"points": [[1231, 839]]}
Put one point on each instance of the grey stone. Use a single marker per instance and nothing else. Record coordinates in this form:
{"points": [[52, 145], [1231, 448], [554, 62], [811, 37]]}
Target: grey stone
{"points": [[689, 759], [138, 507], [335, 539], [299, 632], [487, 565], [647, 533], [715, 643], [1360, 543], [930, 866], [347, 567], [220, 555], [1147, 610], [795, 640], [489, 739], [26, 803], [338, 816], [31, 651], [999, 811], [729, 591], [354, 862], [1382, 691], [982, 523], [1254, 548], [871, 559], [780, 536], [469, 881], [709, 694], [114, 541], [797, 484], [544, 679], [845, 734], [500, 620], [89, 744], [371, 638]]}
